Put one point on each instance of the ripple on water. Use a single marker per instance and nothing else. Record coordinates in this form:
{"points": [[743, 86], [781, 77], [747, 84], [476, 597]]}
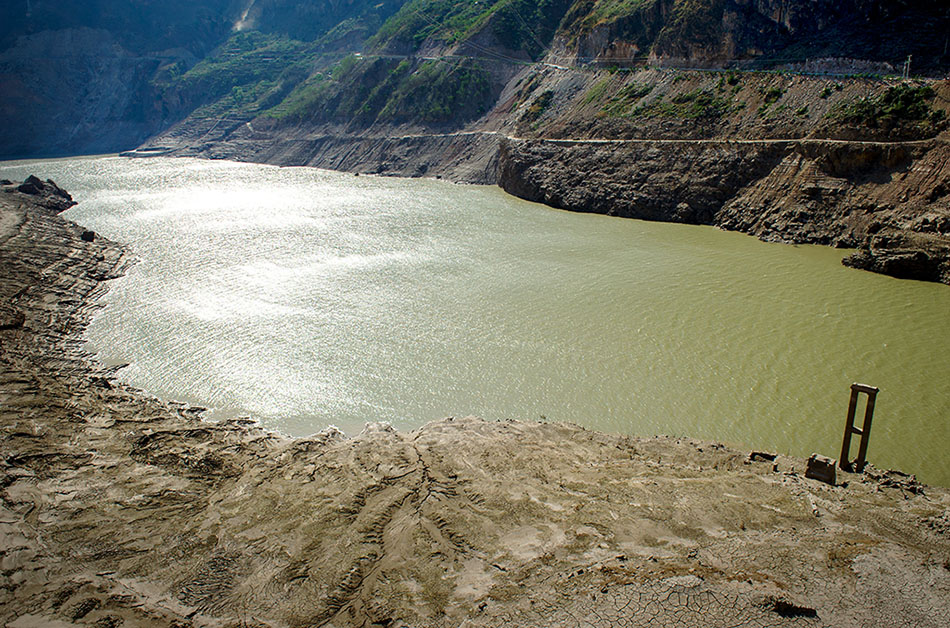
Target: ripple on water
{"points": [[310, 298]]}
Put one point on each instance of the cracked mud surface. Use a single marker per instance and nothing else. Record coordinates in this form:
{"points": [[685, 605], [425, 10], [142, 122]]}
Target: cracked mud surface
{"points": [[119, 509]]}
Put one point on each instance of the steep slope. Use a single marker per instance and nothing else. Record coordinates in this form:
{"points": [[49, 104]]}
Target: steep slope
{"points": [[86, 77], [758, 33]]}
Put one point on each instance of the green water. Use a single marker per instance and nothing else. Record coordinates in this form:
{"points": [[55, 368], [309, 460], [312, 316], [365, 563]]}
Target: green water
{"points": [[307, 298]]}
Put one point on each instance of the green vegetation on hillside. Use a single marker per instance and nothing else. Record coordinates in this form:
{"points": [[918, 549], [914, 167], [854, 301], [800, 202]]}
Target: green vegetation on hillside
{"points": [[630, 100], [770, 96], [311, 95], [538, 106], [900, 105], [444, 20], [518, 25], [367, 89], [698, 104], [440, 92], [596, 93], [244, 58], [250, 72], [625, 99]]}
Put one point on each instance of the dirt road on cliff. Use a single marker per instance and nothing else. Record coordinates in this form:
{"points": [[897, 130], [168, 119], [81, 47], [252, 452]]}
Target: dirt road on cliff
{"points": [[120, 509]]}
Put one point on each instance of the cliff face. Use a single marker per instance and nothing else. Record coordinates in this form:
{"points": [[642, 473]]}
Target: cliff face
{"points": [[755, 33], [73, 88]]}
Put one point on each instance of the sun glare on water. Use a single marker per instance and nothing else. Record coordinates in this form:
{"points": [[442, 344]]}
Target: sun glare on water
{"points": [[307, 298]]}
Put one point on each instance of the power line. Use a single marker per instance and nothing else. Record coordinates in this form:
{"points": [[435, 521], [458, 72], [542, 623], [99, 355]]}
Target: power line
{"points": [[529, 29], [487, 51]]}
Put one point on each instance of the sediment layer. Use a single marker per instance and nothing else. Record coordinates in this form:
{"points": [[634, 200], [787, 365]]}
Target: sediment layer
{"points": [[120, 509], [468, 157]]}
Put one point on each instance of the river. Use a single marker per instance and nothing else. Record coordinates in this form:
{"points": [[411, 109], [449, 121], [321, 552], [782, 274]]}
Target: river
{"points": [[307, 298]]}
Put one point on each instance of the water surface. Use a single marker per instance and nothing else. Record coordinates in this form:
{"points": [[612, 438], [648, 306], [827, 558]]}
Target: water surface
{"points": [[307, 298]]}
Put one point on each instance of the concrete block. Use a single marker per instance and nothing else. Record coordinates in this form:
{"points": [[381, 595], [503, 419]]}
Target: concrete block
{"points": [[821, 468]]}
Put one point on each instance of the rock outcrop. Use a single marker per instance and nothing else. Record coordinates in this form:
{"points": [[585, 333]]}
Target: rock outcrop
{"points": [[46, 194], [885, 198], [905, 255]]}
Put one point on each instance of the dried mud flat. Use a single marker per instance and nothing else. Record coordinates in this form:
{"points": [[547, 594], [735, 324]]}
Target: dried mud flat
{"points": [[119, 509]]}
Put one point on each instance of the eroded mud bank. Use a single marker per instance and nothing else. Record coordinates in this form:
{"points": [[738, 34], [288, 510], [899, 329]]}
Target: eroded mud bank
{"points": [[119, 509]]}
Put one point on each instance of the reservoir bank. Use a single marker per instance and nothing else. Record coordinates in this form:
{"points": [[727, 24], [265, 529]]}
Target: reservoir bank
{"points": [[119, 508], [306, 298]]}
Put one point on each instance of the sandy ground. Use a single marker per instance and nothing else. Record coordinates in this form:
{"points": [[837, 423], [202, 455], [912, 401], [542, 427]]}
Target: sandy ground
{"points": [[119, 509]]}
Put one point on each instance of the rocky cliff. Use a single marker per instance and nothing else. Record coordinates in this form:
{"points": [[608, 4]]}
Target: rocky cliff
{"points": [[756, 33], [885, 199], [783, 157]]}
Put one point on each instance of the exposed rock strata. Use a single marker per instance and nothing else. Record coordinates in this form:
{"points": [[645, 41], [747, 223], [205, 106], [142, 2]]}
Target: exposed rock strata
{"points": [[116, 508], [889, 198], [469, 157], [905, 255]]}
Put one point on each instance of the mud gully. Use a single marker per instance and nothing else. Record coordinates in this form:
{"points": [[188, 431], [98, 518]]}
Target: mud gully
{"points": [[120, 509]]}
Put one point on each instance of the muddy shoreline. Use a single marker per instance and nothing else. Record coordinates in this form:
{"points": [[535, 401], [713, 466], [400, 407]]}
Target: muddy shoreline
{"points": [[120, 509]]}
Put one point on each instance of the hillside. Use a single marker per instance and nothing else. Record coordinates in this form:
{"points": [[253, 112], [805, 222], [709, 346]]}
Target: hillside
{"points": [[82, 77]]}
